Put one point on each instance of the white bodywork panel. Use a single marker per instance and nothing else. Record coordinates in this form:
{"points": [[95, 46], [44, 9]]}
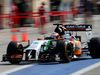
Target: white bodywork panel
{"points": [[36, 45]]}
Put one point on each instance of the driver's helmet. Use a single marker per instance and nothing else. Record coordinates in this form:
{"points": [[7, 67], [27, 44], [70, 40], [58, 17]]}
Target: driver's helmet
{"points": [[54, 35], [59, 30]]}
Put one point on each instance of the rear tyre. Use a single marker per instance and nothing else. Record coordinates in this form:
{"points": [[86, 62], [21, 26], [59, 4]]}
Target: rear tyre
{"points": [[15, 48], [94, 47], [67, 53]]}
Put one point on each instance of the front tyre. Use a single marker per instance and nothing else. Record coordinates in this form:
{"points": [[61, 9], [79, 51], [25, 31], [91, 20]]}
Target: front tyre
{"points": [[15, 51], [13, 61], [94, 47]]}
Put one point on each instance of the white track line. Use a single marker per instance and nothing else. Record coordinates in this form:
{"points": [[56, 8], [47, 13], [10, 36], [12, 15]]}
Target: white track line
{"points": [[16, 69], [80, 72]]}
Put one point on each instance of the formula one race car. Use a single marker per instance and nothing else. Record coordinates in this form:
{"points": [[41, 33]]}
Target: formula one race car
{"points": [[61, 46]]}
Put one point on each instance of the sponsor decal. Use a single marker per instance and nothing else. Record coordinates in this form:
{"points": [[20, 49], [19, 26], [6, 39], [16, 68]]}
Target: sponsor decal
{"points": [[35, 42]]}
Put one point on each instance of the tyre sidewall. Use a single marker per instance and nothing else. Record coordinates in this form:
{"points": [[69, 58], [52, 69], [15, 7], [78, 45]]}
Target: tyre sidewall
{"points": [[94, 47], [12, 48]]}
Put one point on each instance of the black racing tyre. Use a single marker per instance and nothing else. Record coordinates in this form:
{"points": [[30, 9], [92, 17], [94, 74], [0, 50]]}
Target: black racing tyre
{"points": [[15, 48], [59, 46], [13, 61], [65, 50], [94, 47], [67, 53]]}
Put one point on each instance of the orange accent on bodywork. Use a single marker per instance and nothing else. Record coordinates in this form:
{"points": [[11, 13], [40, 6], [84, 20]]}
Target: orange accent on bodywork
{"points": [[63, 27], [78, 50], [16, 56], [59, 38], [39, 38]]}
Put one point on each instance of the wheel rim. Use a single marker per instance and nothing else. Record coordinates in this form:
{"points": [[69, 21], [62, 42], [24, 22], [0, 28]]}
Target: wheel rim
{"points": [[20, 48]]}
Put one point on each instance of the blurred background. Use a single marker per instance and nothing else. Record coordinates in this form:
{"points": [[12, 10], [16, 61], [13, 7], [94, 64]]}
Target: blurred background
{"points": [[25, 6], [22, 18]]}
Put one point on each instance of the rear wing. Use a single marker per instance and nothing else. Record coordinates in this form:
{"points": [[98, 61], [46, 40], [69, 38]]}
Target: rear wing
{"points": [[82, 27]]}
